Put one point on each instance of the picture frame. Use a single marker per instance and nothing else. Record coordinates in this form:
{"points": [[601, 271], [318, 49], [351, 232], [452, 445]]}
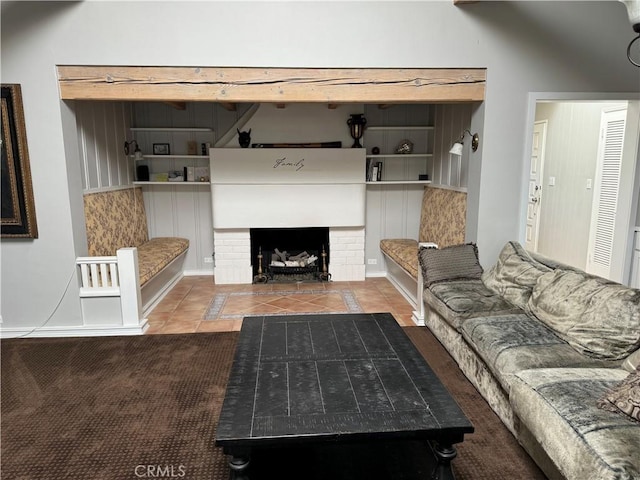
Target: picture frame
{"points": [[161, 149], [18, 218]]}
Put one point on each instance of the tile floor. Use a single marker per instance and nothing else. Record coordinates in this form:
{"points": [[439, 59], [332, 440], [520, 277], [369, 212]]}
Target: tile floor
{"points": [[183, 309]]}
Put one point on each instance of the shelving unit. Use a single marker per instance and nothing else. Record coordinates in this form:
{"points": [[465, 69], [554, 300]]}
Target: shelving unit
{"points": [[178, 139], [400, 168]]}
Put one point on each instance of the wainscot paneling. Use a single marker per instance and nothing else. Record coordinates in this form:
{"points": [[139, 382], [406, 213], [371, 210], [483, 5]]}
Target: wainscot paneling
{"points": [[102, 129]]}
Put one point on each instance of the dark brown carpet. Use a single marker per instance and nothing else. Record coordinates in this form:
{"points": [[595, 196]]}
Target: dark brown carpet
{"points": [[147, 406]]}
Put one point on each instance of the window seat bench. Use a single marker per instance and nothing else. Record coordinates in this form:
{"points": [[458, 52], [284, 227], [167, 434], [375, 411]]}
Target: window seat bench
{"points": [[124, 264], [442, 223]]}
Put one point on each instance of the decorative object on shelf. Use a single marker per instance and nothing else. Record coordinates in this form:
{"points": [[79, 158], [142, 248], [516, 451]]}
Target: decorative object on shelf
{"points": [[356, 123], [244, 138], [423, 176], [142, 173], [161, 149], [375, 151], [633, 11], [18, 207], [192, 147], [176, 176], [337, 144], [405, 146], [456, 148], [137, 153], [205, 148]]}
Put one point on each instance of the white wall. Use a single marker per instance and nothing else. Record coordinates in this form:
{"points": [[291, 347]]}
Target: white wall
{"points": [[525, 46]]}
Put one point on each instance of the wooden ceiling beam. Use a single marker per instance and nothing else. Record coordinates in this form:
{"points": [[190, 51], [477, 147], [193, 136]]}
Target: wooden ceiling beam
{"points": [[272, 85]]}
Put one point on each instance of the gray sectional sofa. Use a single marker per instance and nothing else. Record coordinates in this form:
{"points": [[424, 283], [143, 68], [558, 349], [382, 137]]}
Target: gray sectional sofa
{"points": [[545, 344]]}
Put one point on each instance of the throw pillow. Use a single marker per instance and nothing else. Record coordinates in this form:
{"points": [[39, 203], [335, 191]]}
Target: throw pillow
{"points": [[458, 262], [514, 275], [625, 397], [597, 317]]}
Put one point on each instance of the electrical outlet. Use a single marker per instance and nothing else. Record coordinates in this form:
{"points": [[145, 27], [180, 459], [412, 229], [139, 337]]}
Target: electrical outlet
{"points": [[372, 261], [208, 259]]}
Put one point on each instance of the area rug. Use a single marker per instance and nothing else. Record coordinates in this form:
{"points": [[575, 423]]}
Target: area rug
{"points": [[225, 306], [147, 407]]}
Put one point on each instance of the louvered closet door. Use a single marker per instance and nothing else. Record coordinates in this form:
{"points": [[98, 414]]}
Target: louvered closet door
{"points": [[607, 186]]}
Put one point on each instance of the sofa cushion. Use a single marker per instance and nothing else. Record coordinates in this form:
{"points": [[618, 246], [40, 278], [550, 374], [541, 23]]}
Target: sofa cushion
{"points": [[458, 262], [404, 252], [514, 274], [457, 301], [558, 406], [596, 316], [624, 398], [157, 253], [512, 343]]}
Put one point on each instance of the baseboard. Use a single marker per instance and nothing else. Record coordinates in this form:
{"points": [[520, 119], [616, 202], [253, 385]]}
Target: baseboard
{"points": [[74, 331], [197, 273], [376, 275]]}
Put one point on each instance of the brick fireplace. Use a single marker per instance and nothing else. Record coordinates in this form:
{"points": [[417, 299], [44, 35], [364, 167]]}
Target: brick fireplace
{"points": [[282, 189]]}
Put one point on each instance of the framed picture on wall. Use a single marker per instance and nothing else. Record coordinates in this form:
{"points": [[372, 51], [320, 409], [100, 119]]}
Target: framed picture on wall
{"points": [[161, 149], [18, 209]]}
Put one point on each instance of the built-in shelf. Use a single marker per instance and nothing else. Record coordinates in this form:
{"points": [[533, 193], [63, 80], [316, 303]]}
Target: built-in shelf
{"points": [[400, 182], [401, 155], [401, 127], [175, 156], [177, 184], [170, 129], [186, 139]]}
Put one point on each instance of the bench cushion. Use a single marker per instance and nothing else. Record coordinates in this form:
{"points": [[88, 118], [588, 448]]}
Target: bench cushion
{"points": [[559, 406], [157, 253], [443, 216], [114, 219], [404, 252]]}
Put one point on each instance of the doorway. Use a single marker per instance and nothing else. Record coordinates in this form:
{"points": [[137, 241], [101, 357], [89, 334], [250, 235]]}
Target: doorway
{"points": [[557, 217]]}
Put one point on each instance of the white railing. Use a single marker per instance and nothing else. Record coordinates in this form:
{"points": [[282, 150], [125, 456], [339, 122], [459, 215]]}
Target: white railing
{"points": [[112, 277], [99, 276]]}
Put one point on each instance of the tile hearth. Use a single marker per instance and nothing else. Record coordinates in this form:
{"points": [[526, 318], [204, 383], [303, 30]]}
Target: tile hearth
{"points": [[196, 304]]}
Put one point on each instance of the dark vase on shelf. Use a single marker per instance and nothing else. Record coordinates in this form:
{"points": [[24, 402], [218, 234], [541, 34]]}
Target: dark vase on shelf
{"points": [[356, 127]]}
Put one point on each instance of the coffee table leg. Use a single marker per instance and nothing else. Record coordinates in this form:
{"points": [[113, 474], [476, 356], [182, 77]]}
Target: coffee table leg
{"points": [[444, 454], [239, 467]]}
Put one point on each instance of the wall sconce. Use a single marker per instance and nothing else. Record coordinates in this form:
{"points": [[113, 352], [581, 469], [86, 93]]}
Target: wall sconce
{"points": [[137, 153], [456, 149], [633, 11]]}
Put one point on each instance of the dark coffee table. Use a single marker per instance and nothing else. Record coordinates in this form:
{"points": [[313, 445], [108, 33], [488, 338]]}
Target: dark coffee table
{"points": [[333, 382]]}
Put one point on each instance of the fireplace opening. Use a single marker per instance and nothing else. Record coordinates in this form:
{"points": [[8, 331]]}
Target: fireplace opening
{"points": [[290, 254]]}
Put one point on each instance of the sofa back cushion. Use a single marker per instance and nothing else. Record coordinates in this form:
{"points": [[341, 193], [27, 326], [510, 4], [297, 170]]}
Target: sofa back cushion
{"points": [[443, 216], [114, 219], [514, 275], [597, 317]]}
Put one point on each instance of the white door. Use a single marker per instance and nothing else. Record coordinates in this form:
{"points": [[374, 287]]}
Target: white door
{"points": [[535, 185], [605, 195]]}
